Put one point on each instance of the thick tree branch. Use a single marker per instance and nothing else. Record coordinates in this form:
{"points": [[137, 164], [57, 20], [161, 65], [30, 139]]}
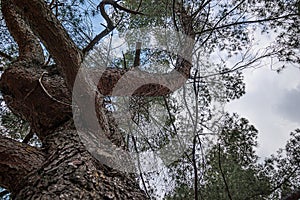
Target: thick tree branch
{"points": [[16, 161], [135, 82], [29, 45], [120, 82], [44, 23]]}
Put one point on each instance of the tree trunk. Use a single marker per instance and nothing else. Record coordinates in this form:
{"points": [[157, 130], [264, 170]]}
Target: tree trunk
{"points": [[41, 95], [63, 168], [70, 172]]}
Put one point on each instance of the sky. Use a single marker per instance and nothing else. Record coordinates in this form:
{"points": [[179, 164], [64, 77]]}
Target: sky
{"points": [[271, 100], [271, 104]]}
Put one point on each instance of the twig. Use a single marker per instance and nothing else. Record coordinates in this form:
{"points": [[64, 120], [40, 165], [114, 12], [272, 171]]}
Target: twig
{"points": [[223, 175], [246, 22], [218, 22], [139, 166]]}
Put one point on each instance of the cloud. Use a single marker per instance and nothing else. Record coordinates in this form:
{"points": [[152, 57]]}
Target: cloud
{"points": [[272, 105], [289, 104]]}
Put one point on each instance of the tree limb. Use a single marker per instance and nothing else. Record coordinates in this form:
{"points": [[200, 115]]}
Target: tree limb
{"points": [[57, 41], [16, 161], [29, 45]]}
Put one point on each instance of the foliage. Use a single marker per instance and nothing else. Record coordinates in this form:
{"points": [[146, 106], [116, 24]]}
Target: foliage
{"points": [[220, 152], [231, 167], [12, 125]]}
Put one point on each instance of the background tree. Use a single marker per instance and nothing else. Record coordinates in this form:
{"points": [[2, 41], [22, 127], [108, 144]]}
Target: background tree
{"points": [[231, 169]]}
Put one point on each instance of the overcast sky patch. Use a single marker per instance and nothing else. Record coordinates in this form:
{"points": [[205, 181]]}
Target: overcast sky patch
{"points": [[271, 104]]}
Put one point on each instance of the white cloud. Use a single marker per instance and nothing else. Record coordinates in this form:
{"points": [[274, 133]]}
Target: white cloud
{"points": [[271, 104], [288, 105]]}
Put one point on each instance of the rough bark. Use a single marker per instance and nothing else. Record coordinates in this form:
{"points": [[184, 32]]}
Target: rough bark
{"points": [[42, 96], [29, 45], [17, 160], [70, 172], [54, 37]]}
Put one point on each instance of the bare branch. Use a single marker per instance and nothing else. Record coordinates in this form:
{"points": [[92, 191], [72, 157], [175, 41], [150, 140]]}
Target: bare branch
{"points": [[247, 22], [218, 22], [222, 173], [195, 168], [110, 25], [139, 166], [236, 67]]}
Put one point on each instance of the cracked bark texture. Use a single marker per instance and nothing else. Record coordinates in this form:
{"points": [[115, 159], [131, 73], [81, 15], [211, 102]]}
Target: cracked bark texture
{"points": [[70, 172], [62, 168]]}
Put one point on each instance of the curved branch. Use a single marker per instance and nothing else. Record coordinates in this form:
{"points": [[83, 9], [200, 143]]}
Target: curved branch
{"points": [[110, 26], [57, 41], [16, 161], [119, 82], [29, 45]]}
